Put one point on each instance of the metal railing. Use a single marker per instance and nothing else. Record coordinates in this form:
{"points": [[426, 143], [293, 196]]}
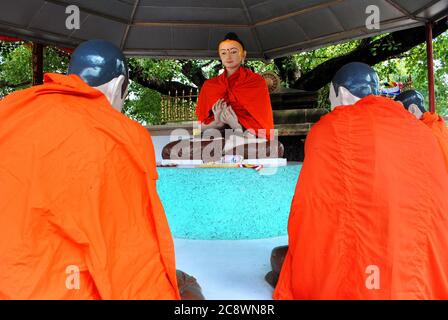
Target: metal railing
{"points": [[179, 106]]}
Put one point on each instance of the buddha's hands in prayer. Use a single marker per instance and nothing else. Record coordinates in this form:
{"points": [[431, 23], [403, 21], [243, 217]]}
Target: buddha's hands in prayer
{"points": [[217, 110], [229, 117]]}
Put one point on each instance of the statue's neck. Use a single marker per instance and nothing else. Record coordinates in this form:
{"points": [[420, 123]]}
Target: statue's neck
{"points": [[231, 71]]}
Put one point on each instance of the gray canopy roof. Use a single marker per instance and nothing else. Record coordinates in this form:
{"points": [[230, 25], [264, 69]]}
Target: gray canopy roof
{"points": [[193, 28]]}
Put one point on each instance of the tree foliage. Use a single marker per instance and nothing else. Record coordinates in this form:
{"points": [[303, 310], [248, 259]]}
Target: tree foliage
{"points": [[144, 105], [16, 65]]}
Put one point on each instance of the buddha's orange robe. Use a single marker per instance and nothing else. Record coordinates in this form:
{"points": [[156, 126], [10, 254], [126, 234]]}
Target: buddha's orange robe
{"points": [[369, 218], [80, 217], [248, 95]]}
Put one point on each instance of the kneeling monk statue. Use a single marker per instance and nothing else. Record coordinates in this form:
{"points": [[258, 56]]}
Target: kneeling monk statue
{"points": [[369, 217], [80, 217], [413, 101]]}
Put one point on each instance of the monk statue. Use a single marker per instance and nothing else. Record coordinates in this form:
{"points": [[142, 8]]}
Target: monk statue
{"points": [[367, 217], [80, 215], [234, 113], [414, 102]]}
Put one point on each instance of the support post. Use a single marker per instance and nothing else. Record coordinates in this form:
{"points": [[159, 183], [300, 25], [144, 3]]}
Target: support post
{"points": [[38, 64], [430, 64]]}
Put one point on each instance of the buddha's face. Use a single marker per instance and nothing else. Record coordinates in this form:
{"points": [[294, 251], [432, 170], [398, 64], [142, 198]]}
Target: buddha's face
{"points": [[231, 54]]}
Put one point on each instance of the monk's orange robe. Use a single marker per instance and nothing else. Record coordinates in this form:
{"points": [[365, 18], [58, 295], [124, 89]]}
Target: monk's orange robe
{"points": [[439, 129], [80, 217], [248, 95], [369, 218]]}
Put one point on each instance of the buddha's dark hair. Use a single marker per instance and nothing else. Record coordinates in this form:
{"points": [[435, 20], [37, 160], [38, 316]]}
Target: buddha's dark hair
{"points": [[233, 36]]}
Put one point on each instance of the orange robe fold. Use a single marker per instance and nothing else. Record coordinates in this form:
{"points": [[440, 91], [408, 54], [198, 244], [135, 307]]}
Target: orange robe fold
{"points": [[80, 217], [440, 131], [369, 218], [248, 95]]}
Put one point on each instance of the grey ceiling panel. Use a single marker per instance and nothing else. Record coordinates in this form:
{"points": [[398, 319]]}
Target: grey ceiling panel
{"points": [[151, 38], [19, 12], [352, 13], [192, 3], [266, 10], [118, 9], [437, 10], [411, 5], [275, 35], [52, 18], [325, 18], [95, 27], [190, 38], [193, 28], [192, 15]]}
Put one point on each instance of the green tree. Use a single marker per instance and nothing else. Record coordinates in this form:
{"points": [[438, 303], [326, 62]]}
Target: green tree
{"points": [[143, 105], [16, 65]]}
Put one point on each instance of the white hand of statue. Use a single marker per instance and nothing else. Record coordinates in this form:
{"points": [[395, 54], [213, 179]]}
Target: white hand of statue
{"points": [[229, 116], [217, 110]]}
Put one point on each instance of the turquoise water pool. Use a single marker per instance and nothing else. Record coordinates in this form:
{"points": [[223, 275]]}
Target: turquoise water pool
{"points": [[230, 204]]}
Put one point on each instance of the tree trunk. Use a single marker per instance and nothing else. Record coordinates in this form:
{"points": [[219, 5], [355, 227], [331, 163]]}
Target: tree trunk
{"points": [[164, 87], [193, 73], [38, 64]]}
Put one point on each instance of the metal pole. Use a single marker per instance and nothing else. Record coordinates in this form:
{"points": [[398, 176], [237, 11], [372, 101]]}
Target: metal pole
{"points": [[430, 63]]}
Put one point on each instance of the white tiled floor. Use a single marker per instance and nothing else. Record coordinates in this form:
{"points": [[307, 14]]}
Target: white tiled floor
{"points": [[228, 269]]}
